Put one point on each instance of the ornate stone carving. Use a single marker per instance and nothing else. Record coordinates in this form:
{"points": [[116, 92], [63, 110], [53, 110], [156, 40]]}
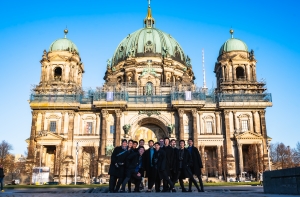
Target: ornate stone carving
{"points": [[262, 112], [180, 112], [104, 113], [149, 113], [194, 112]]}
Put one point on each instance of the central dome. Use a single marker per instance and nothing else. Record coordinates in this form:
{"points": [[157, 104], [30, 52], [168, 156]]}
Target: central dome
{"points": [[148, 42]]}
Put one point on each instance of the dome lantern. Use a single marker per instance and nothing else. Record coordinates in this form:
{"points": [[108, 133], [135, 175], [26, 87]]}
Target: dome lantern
{"points": [[149, 20]]}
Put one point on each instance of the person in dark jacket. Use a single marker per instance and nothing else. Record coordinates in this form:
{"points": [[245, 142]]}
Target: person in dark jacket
{"points": [[131, 149], [174, 153], [169, 158], [117, 167], [134, 169], [148, 165], [197, 164], [1, 177], [183, 162], [159, 162]]}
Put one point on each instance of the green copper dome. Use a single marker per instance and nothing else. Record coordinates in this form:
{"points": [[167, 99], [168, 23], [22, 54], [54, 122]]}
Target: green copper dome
{"points": [[148, 42], [233, 44], [63, 44]]}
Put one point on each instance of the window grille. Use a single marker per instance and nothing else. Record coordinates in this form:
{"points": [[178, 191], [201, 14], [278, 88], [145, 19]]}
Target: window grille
{"points": [[89, 127], [53, 126], [112, 129], [209, 127], [244, 125]]}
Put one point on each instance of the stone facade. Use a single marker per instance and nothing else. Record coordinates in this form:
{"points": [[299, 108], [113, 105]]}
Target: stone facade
{"points": [[146, 95]]}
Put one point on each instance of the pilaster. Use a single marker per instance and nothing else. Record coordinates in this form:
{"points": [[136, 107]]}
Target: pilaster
{"points": [[181, 126], [118, 128], [195, 133], [103, 132]]}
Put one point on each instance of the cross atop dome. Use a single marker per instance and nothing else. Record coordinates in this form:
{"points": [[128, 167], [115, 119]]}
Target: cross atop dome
{"points": [[149, 20]]}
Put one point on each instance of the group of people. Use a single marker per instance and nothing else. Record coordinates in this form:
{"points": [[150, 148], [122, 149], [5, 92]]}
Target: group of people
{"points": [[162, 161]]}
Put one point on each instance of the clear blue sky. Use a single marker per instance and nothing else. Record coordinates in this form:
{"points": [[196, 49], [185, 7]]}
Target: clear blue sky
{"points": [[271, 28]]}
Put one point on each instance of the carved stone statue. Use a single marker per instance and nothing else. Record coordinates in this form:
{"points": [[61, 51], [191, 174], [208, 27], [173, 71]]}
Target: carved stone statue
{"points": [[149, 89]]}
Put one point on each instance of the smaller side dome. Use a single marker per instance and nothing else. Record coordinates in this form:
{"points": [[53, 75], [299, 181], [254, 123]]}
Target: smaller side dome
{"points": [[63, 44], [233, 44]]}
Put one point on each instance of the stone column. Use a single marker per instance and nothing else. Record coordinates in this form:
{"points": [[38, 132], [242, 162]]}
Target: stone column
{"points": [[223, 73], [71, 126], [32, 135], [195, 130], [217, 114], [240, 150], [200, 124], [202, 148], [118, 128], [70, 133], [97, 124], [234, 121], [219, 157], [44, 156], [57, 159], [260, 156], [254, 123], [96, 160], [103, 132], [254, 73], [263, 131], [80, 130], [227, 136], [62, 123], [234, 72], [246, 72], [181, 126], [42, 121]]}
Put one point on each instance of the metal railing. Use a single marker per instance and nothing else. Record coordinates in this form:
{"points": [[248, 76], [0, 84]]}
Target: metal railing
{"points": [[90, 97], [264, 97]]}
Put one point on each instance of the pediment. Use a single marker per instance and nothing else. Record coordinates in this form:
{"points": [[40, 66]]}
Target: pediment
{"points": [[57, 58], [248, 135], [49, 136]]}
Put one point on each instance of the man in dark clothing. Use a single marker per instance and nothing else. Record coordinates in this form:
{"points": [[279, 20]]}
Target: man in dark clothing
{"points": [[131, 149], [117, 167], [135, 146], [148, 165], [159, 162], [169, 159], [174, 153], [183, 162], [1, 177], [197, 164], [134, 169], [141, 144]]}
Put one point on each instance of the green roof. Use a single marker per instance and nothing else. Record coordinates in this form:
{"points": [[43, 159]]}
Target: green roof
{"points": [[63, 44], [233, 44], [144, 38]]}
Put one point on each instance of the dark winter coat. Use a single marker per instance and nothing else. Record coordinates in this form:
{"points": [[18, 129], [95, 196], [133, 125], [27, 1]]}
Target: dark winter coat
{"points": [[132, 161], [169, 158], [186, 163], [2, 173], [147, 163], [159, 161], [197, 162], [115, 159]]}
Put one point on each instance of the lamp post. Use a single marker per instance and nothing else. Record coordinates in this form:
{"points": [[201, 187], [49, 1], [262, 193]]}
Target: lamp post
{"points": [[76, 163], [268, 149]]}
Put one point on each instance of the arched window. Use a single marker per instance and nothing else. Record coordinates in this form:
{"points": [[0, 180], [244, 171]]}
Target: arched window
{"points": [[240, 73], [57, 73]]}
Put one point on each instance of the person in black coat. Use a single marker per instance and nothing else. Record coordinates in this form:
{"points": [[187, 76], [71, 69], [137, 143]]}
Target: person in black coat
{"points": [[183, 162], [131, 149], [169, 158], [197, 164], [174, 153], [1, 177], [117, 167], [134, 169], [159, 161], [148, 165]]}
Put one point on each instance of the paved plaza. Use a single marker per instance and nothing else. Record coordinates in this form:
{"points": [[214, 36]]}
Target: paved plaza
{"points": [[90, 192]]}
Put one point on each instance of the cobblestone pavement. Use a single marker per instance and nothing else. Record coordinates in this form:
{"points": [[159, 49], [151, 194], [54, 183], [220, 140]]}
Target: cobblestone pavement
{"points": [[242, 191]]}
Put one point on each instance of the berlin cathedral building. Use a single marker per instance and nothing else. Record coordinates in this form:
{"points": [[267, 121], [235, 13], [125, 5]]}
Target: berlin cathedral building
{"points": [[149, 93]]}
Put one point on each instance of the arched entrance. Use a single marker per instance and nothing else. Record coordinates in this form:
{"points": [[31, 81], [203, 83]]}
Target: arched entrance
{"points": [[149, 128]]}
